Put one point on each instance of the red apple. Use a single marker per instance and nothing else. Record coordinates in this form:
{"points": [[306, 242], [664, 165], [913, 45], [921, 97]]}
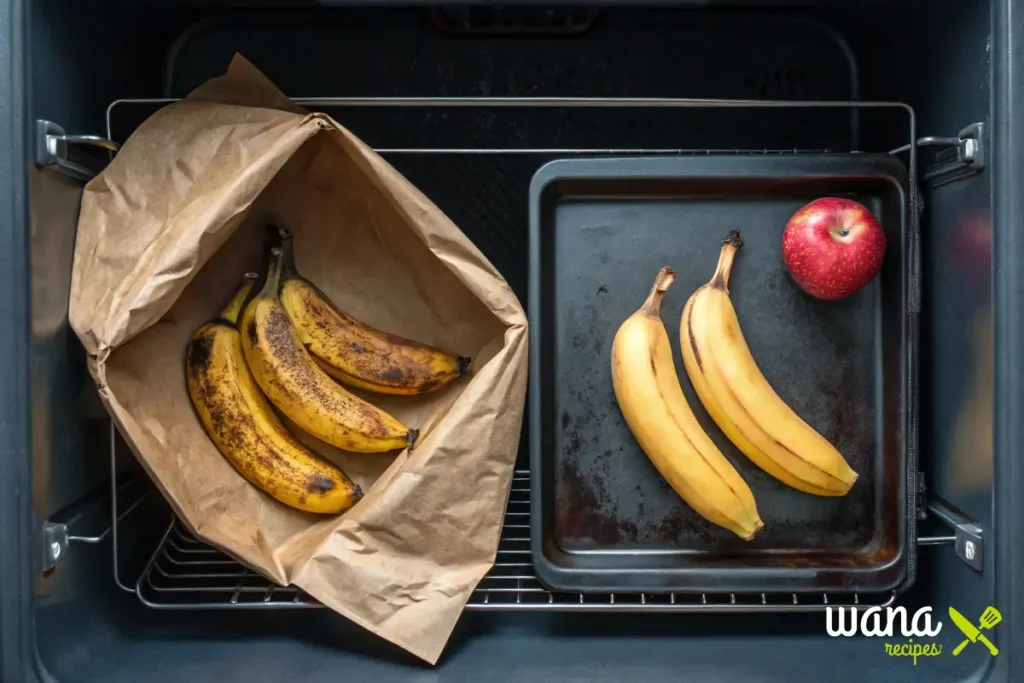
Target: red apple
{"points": [[833, 247]]}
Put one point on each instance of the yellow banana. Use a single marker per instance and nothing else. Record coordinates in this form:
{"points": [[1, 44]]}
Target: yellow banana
{"points": [[355, 353], [647, 389], [300, 389], [739, 398], [245, 428]]}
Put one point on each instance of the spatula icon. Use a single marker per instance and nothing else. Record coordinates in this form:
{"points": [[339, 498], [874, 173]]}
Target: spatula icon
{"points": [[989, 618]]}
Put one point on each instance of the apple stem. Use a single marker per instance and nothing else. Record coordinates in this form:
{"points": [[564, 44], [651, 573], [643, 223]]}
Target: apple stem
{"points": [[730, 246], [662, 281]]}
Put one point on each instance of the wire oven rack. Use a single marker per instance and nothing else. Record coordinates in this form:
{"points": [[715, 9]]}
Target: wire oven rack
{"points": [[185, 573]]}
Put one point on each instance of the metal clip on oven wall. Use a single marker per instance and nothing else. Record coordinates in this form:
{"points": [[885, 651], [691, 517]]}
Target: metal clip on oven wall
{"points": [[959, 157], [967, 533], [56, 149], [57, 536]]}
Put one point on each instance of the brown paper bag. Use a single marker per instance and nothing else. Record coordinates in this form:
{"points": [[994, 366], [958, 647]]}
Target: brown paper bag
{"points": [[164, 236]]}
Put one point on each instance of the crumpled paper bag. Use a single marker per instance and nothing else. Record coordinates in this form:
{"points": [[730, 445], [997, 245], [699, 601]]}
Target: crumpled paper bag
{"points": [[164, 237]]}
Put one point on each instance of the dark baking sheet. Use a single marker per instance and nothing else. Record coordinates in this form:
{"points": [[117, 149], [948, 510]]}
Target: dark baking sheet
{"points": [[603, 518]]}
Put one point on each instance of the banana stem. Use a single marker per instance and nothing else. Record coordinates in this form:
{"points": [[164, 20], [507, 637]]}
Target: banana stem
{"points": [[662, 281], [726, 257], [234, 308], [272, 287], [287, 254], [278, 233]]}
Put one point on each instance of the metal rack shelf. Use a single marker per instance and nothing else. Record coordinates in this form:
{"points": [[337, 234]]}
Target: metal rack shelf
{"points": [[185, 573]]}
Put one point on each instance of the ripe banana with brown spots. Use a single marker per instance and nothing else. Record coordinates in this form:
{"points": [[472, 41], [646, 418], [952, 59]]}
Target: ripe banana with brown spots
{"points": [[300, 388], [246, 429], [739, 398], [355, 353], [652, 401]]}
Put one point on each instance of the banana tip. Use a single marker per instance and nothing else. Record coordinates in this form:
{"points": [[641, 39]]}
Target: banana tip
{"points": [[357, 493], [412, 436], [464, 362], [758, 525], [733, 239]]}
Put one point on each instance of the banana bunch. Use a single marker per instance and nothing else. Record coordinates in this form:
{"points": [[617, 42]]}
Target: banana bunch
{"points": [[247, 430], [300, 388], [652, 401], [735, 394], [285, 348]]}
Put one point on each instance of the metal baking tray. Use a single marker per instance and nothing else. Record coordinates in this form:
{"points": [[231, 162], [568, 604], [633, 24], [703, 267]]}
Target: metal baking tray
{"points": [[603, 519]]}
